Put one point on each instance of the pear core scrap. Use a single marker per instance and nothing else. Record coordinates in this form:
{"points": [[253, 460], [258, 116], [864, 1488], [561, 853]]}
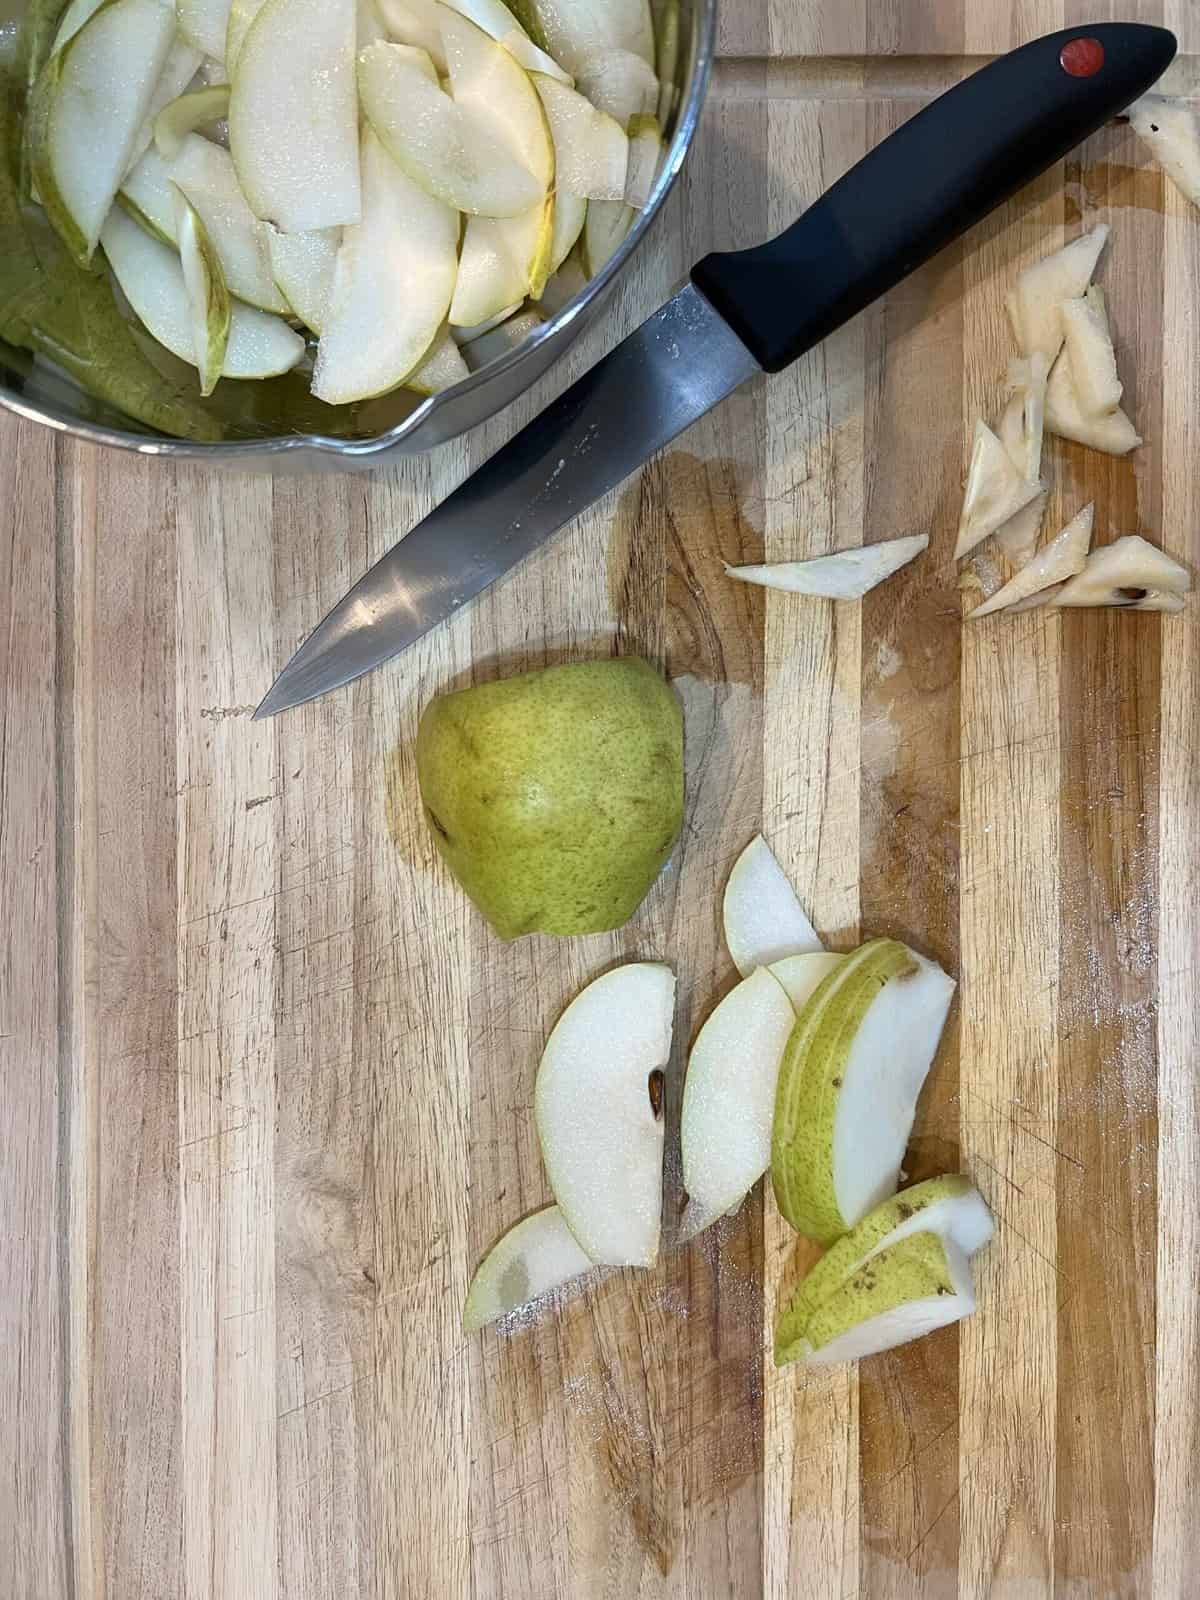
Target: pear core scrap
{"points": [[556, 797]]}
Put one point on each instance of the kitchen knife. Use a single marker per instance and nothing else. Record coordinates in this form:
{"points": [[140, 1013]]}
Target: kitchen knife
{"points": [[743, 312]]}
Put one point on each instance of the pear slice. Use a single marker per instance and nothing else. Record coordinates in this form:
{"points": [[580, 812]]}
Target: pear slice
{"points": [[1042, 599], [948, 1206], [149, 196], [563, 285], [441, 368], [179, 70], [151, 278], [185, 114], [906, 1291], [1114, 434], [570, 219], [499, 23], [802, 975], [845, 575], [1041, 289], [1089, 349], [995, 491], [204, 23], [208, 296], [572, 30], [293, 115], [763, 919], [302, 265], [72, 19], [86, 111], [619, 82], [666, 58], [596, 1102], [370, 28], [498, 341], [645, 158], [1018, 537], [415, 23], [1171, 131], [604, 230], [392, 285], [1130, 573], [848, 1086], [206, 174], [1062, 558], [729, 1097], [502, 261], [463, 336], [530, 1261], [1022, 427], [591, 152], [455, 153], [485, 79], [242, 15]]}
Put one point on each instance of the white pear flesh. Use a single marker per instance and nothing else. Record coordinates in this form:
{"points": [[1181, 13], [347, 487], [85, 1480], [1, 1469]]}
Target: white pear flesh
{"points": [[500, 340], [72, 19], [602, 1142], [1062, 558], [949, 1206], [303, 265], [849, 1082], [185, 114], [371, 28], [440, 369], [1114, 434], [1089, 349], [591, 151], [1022, 427], [208, 295], [729, 1097], [392, 284], [618, 82], [666, 57], [845, 575], [204, 24], [1041, 289], [88, 108], [179, 70], [486, 80], [763, 919], [502, 260], [530, 1261], [575, 29], [995, 491], [604, 230], [1130, 573], [293, 115], [242, 15], [499, 23], [206, 174], [908, 1290], [463, 336], [415, 23], [149, 195], [1018, 537], [452, 151], [570, 218], [645, 158], [1171, 132], [151, 278], [802, 975]]}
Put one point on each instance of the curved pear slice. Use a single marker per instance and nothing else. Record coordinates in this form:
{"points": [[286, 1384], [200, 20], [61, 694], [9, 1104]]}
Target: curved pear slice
{"points": [[486, 79], [848, 1086], [181, 66], [949, 1206], [575, 29], [463, 336], [601, 1136], [415, 23], [645, 158], [149, 196], [208, 296], [86, 111], [502, 261], [801, 975], [1062, 558], [1113, 434], [570, 219], [302, 265], [392, 285], [995, 490], [844, 575], [498, 341], [531, 1260], [151, 278], [666, 58], [203, 23], [448, 148], [293, 115], [1130, 573], [591, 152], [903, 1293], [73, 18], [183, 115], [1041, 289], [499, 23], [205, 172], [764, 921], [620, 83], [441, 369], [608, 221], [729, 1098], [370, 29], [242, 15]]}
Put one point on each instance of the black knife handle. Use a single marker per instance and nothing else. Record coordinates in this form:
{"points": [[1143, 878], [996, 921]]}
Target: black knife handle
{"points": [[929, 182]]}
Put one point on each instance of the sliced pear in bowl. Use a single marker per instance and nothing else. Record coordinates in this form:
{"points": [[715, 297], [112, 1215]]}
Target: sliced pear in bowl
{"points": [[619, 82], [441, 369], [293, 115], [204, 24], [151, 278], [573, 30], [645, 158], [591, 150], [604, 231], [242, 16], [763, 918], [179, 70], [949, 1206], [392, 284], [303, 265], [186, 115], [208, 296], [1130, 573], [498, 341], [72, 19], [149, 196], [849, 1082], [533, 1259], [597, 1103], [499, 23], [415, 23], [86, 111], [453, 152], [206, 174], [503, 260]]}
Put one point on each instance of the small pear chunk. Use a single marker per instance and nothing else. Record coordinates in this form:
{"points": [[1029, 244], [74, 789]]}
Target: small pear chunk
{"points": [[1089, 349], [845, 575], [1114, 434], [1041, 289], [763, 919], [208, 296], [441, 369], [1171, 131], [1062, 558], [995, 491], [1129, 573], [533, 1259]]}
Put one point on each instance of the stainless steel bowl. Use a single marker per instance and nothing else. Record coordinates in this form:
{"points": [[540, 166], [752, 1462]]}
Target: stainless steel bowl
{"points": [[404, 424]]}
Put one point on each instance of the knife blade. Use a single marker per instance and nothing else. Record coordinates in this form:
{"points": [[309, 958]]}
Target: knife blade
{"points": [[742, 312]]}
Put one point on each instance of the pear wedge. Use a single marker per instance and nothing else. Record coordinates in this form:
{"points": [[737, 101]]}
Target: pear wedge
{"points": [[1113, 434], [619, 82], [86, 111], [303, 265], [604, 230], [149, 196], [1041, 289], [415, 23], [392, 285], [906, 1291], [204, 23], [645, 158], [499, 23], [441, 369], [530, 1261], [502, 261], [206, 174], [72, 19], [152, 280], [949, 1206], [1129, 573], [179, 70], [763, 919], [848, 1086], [591, 151], [371, 28], [293, 115], [1089, 349], [208, 296], [1063, 557], [802, 975], [995, 491], [573, 30], [1171, 132], [844, 575], [242, 14], [185, 114], [597, 1118]]}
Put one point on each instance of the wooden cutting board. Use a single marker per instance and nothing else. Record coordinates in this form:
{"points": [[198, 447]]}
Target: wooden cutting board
{"points": [[267, 1078]]}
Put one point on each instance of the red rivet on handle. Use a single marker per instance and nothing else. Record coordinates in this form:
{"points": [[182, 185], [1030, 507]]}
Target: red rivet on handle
{"points": [[1082, 58]]}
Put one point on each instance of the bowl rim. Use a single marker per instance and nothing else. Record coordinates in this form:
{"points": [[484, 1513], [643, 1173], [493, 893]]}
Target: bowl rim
{"points": [[248, 451]]}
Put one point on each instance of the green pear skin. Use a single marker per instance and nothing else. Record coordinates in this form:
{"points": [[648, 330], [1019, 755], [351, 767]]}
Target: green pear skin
{"points": [[914, 1269], [840, 1260], [810, 1078], [555, 797]]}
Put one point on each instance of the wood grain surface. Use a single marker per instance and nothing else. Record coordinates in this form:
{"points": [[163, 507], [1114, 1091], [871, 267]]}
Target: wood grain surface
{"points": [[266, 1077]]}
